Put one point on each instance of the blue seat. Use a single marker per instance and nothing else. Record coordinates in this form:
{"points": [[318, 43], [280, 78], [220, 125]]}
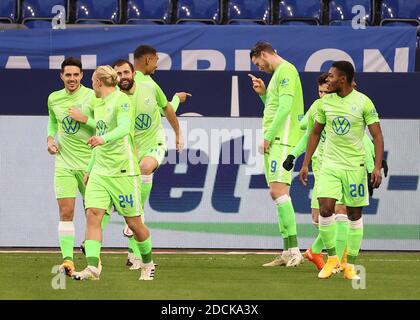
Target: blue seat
{"points": [[295, 12], [198, 11], [9, 11], [400, 13], [148, 12], [249, 11], [339, 13], [98, 11], [37, 13]]}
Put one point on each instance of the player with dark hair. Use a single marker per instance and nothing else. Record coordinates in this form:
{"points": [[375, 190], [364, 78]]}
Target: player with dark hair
{"points": [[344, 113], [283, 108], [149, 103], [71, 152]]}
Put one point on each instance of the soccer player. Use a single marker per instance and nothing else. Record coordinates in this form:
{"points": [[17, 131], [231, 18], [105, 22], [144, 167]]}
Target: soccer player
{"points": [[314, 253], [344, 113], [283, 102], [70, 150], [113, 174], [150, 102]]}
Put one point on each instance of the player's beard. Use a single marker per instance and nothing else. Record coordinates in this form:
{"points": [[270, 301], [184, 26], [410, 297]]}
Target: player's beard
{"points": [[128, 86]]}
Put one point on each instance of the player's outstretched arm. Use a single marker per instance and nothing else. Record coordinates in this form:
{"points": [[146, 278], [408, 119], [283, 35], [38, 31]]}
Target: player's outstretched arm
{"points": [[173, 121], [258, 86], [177, 99], [378, 140], [310, 149]]}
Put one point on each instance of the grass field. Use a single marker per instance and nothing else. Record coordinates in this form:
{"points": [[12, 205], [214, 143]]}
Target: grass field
{"points": [[209, 276]]}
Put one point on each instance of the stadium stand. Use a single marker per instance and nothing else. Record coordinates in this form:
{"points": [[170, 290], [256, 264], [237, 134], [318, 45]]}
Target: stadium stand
{"points": [[9, 11], [198, 11], [249, 12], [148, 12], [400, 13], [340, 11], [295, 12], [98, 11], [38, 13]]}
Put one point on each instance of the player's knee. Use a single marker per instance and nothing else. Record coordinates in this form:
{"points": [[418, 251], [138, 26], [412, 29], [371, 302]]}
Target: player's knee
{"points": [[93, 217], [326, 211], [66, 213], [147, 168], [353, 216], [133, 224], [275, 193]]}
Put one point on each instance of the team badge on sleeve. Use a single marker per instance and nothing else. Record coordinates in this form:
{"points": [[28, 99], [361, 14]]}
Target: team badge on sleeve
{"points": [[284, 83], [124, 107]]}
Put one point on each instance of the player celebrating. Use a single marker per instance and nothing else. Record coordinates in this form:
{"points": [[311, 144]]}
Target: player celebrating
{"points": [[150, 102], [283, 102], [314, 254], [71, 152], [344, 113], [114, 174]]}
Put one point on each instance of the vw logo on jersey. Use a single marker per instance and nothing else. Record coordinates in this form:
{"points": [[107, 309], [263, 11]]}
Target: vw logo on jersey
{"points": [[341, 126], [101, 128], [70, 126], [143, 121]]}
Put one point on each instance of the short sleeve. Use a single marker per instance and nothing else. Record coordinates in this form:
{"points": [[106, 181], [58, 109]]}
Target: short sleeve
{"points": [[369, 113], [161, 97], [320, 113]]}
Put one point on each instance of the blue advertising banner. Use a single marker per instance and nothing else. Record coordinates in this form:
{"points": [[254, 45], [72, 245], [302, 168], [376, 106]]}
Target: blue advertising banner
{"points": [[213, 48], [216, 94]]}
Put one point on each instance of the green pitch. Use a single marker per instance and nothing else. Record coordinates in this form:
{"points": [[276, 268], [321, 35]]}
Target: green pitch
{"points": [[214, 277]]}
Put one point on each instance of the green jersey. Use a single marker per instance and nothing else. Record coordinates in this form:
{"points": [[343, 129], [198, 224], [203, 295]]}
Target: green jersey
{"points": [[345, 120], [285, 81], [115, 158], [72, 136], [307, 123], [148, 100]]}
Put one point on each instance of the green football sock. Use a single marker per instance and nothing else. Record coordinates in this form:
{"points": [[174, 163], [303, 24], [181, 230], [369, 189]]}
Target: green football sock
{"points": [[132, 245], [327, 230], [93, 251], [66, 246], [342, 224], [317, 245], [286, 244], [293, 243], [105, 221], [66, 239], [145, 188], [354, 240], [283, 233], [286, 216], [145, 248]]}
